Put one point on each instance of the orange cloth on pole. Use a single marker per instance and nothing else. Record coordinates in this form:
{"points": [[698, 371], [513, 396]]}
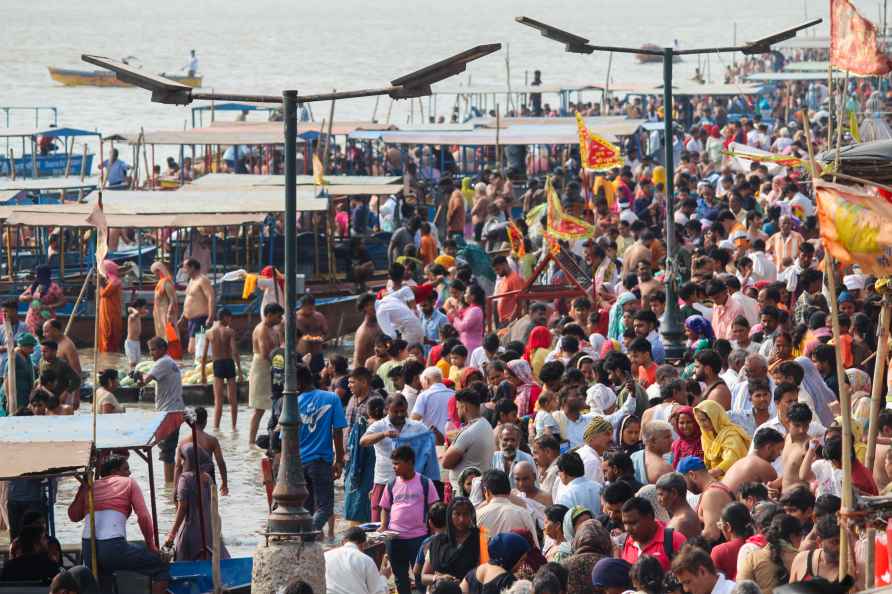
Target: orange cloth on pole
{"points": [[111, 319]]}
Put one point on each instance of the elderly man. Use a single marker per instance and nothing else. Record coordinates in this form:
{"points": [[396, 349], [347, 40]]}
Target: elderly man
{"points": [[784, 245], [755, 367], [432, 405], [649, 463], [524, 477], [350, 571], [500, 514], [508, 455], [672, 491]]}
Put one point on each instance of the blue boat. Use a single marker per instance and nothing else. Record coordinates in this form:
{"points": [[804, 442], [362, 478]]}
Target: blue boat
{"points": [[60, 158], [195, 577]]}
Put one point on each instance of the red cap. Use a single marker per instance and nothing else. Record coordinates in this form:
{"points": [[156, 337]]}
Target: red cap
{"points": [[422, 292]]}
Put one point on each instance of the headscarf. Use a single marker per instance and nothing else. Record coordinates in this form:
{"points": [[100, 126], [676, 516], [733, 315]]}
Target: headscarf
{"points": [[820, 393], [725, 436], [615, 320], [600, 398], [535, 559], [859, 380], [592, 538], [570, 518], [618, 435], [466, 375], [163, 275], [685, 446], [41, 278], [857, 438], [506, 549], [446, 554], [527, 392], [540, 338], [701, 326]]}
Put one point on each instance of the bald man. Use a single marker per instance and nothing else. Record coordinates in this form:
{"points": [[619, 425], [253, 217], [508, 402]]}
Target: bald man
{"points": [[524, 475], [649, 463]]}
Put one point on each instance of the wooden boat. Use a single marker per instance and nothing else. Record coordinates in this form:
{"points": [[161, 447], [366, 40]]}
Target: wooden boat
{"points": [[651, 58], [106, 78]]}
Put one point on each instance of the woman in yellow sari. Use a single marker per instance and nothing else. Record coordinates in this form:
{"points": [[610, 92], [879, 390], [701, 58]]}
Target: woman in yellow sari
{"points": [[724, 443]]}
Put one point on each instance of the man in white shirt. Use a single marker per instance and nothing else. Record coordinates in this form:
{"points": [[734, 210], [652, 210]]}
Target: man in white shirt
{"points": [[573, 488], [697, 574], [397, 317], [432, 405], [597, 438], [499, 513], [350, 571]]}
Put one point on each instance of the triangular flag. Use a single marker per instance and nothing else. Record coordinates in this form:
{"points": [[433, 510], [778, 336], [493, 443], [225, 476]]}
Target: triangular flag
{"points": [[596, 153], [563, 225], [853, 42]]}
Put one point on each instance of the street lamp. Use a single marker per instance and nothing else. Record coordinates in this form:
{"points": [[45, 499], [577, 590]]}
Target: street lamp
{"points": [[671, 324], [290, 518]]}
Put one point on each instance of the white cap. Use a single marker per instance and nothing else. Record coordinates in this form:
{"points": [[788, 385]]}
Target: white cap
{"points": [[853, 282]]}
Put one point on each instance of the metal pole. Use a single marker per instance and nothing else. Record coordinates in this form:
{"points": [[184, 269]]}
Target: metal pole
{"points": [[290, 491], [670, 326]]}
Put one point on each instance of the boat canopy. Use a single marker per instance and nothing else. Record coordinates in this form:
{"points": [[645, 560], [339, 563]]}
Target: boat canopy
{"points": [[693, 88], [72, 182], [131, 430], [251, 181], [50, 457], [53, 132], [791, 76], [807, 67], [237, 107], [231, 133]]}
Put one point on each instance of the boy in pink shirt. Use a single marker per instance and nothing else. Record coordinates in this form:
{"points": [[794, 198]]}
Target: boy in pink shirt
{"points": [[404, 506]]}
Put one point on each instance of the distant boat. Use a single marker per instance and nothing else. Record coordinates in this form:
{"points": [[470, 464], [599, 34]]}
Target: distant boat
{"points": [[651, 58], [106, 78]]}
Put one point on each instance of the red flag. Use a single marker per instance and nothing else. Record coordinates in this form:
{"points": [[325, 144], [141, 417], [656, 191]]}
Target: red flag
{"points": [[853, 42]]}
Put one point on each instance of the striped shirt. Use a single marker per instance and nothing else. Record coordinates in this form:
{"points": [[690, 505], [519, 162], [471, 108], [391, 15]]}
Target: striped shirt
{"points": [[782, 248]]}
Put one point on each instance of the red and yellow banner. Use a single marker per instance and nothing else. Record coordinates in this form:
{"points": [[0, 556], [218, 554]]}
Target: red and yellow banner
{"points": [[563, 225], [782, 160], [853, 42], [515, 238], [596, 153], [856, 228]]}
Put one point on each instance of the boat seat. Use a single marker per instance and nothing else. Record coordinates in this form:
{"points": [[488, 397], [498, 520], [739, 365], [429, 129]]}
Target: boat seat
{"points": [[129, 582]]}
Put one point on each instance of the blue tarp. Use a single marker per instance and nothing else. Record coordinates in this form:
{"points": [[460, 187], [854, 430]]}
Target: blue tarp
{"points": [[128, 430], [194, 577]]}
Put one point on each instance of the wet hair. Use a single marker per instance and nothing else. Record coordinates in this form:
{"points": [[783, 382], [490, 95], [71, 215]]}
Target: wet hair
{"points": [[827, 504], [355, 535], [710, 358], [376, 407], [782, 528], [548, 442], [619, 460], [784, 388], [436, 515], [201, 416], [272, 309], [558, 571], [468, 397], [107, 377], [827, 527], [800, 412], [555, 513], [551, 371], [111, 464], [738, 518], [691, 558], [361, 373], [793, 370], [647, 574], [673, 482], [546, 583], [767, 436]]}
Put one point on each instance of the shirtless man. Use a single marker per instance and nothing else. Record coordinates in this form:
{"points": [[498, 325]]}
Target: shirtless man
{"points": [[823, 562], [796, 444], [657, 442], [220, 339], [364, 340], [707, 367], [756, 466], [208, 443], [714, 496], [525, 482], [198, 309], [264, 340], [52, 330], [884, 433], [310, 323], [382, 346], [672, 493], [164, 305], [136, 311]]}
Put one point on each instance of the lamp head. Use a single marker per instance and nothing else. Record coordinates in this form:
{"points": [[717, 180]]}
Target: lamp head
{"points": [[763, 45], [164, 90], [418, 83], [572, 43]]}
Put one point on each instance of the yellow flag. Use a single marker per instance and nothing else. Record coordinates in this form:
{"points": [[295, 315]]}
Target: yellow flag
{"points": [[318, 171], [853, 127]]}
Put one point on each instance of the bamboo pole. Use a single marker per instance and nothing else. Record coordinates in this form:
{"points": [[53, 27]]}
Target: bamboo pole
{"points": [[12, 164], [62, 255], [145, 157], [217, 542], [845, 404], [879, 373], [68, 157], [77, 302], [829, 104], [9, 232]]}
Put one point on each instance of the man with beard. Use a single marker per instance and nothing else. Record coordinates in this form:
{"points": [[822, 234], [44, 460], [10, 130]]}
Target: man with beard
{"points": [[714, 495], [619, 368], [546, 451], [381, 434], [508, 455], [707, 367], [570, 419], [824, 561], [672, 493], [473, 445]]}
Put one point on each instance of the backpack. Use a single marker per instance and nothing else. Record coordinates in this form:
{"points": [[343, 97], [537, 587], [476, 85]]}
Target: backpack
{"points": [[668, 545], [425, 487]]}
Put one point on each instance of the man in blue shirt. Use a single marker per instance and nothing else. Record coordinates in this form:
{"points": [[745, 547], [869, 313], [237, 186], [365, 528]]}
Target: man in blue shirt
{"points": [[432, 320], [116, 172], [575, 489], [321, 431]]}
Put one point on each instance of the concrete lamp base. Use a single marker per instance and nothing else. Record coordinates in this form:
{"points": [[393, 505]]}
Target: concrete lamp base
{"points": [[280, 562]]}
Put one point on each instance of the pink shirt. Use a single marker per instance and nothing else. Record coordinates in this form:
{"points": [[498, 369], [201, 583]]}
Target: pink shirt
{"points": [[121, 494], [723, 317], [407, 507], [469, 323]]}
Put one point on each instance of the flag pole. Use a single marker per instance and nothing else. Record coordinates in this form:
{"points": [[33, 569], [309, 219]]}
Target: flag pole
{"points": [[844, 399]]}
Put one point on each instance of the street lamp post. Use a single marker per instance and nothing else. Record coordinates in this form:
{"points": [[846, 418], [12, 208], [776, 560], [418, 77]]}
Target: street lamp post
{"points": [[289, 519], [671, 325]]}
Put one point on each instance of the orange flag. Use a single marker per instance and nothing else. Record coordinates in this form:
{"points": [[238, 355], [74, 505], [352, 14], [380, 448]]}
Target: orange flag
{"points": [[595, 152], [853, 42], [856, 228]]}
